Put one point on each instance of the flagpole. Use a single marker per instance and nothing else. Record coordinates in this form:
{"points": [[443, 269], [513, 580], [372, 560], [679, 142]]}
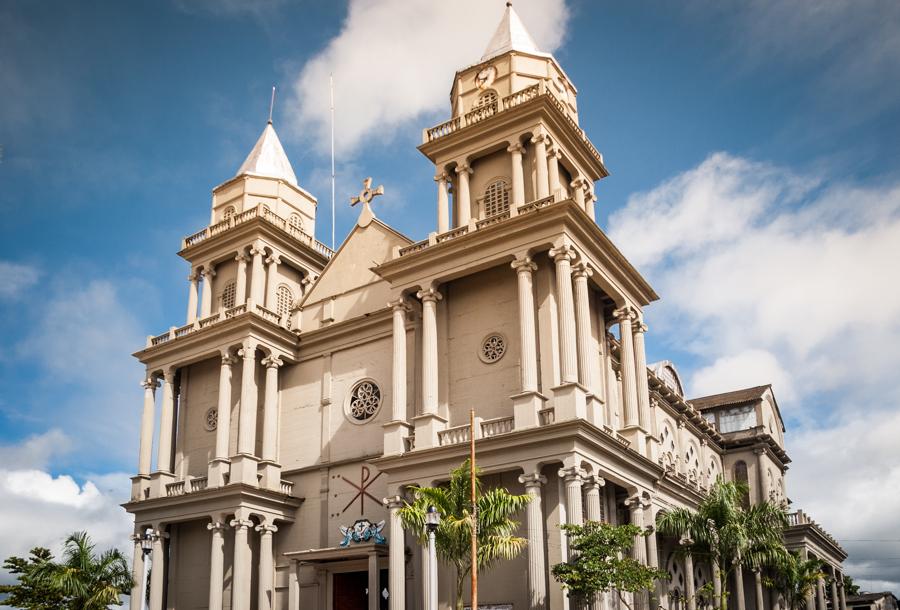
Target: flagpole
{"points": [[474, 510], [331, 88]]}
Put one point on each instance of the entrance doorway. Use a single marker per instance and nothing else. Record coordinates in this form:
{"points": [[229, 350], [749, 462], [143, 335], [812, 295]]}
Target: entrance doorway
{"points": [[350, 590]]}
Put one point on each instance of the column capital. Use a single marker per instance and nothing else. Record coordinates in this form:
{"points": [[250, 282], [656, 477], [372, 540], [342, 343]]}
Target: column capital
{"points": [[209, 270], [515, 147], [272, 362], [266, 529], [464, 168], [274, 259], [169, 375], [686, 540], [540, 137], [150, 383], [535, 479], [563, 252], [400, 304], [553, 152], [241, 524], [194, 275], [572, 474], [248, 350], [594, 481], [257, 250], [394, 502], [429, 295], [441, 177], [228, 358], [624, 313], [582, 270], [639, 500], [242, 257], [524, 265], [216, 526], [578, 183]]}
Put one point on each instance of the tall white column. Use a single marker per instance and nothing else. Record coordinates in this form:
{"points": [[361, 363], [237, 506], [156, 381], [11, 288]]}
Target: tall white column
{"points": [[518, 177], [652, 550], [534, 514], [464, 200], [553, 156], [240, 580], [589, 199], [137, 574], [223, 420], [443, 204], [640, 369], [636, 507], [563, 257], [820, 593], [396, 556], [624, 316], [240, 284], [843, 594], [574, 478], [429, 298], [166, 423], [216, 564], [272, 281], [270, 409], [266, 589], [540, 155], [587, 361], [257, 275], [593, 498], [689, 591], [578, 191], [193, 291], [146, 448], [157, 571], [398, 368], [758, 584], [209, 273], [247, 418], [739, 598], [524, 268]]}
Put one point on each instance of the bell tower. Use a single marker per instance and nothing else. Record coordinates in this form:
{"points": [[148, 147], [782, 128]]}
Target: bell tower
{"points": [[514, 137]]}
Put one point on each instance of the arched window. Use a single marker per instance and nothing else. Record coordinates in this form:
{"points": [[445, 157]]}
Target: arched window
{"points": [[227, 296], [496, 197], [692, 463], [228, 213], [284, 299], [741, 476], [296, 222], [712, 472], [488, 98]]}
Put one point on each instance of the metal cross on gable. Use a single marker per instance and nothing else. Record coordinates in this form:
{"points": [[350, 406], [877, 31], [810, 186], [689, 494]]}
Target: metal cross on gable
{"points": [[367, 194]]}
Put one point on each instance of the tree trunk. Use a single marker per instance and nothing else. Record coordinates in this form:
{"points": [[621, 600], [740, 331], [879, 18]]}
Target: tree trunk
{"points": [[718, 592]]}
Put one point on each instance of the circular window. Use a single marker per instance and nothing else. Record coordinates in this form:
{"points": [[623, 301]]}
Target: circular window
{"points": [[211, 419], [364, 401], [492, 348]]}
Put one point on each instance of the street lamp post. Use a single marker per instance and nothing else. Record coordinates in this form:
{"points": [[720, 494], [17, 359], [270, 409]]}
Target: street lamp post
{"points": [[146, 548], [432, 522]]}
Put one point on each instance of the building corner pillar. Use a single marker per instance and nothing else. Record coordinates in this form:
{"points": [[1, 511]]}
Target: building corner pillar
{"points": [[443, 204], [528, 402], [216, 564], [240, 580], [397, 430], [266, 579], [271, 469]]}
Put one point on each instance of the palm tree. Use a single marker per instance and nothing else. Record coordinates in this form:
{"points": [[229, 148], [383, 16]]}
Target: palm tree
{"points": [[727, 534], [795, 579], [87, 580], [495, 525]]}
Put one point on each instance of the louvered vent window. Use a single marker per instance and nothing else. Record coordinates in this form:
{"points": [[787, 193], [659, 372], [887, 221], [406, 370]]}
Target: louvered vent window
{"points": [[488, 98], [496, 198], [228, 296], [284, 298]]}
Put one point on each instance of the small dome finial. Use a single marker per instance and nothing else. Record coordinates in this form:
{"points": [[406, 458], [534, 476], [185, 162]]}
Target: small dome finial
{"points": [[271, 104]]}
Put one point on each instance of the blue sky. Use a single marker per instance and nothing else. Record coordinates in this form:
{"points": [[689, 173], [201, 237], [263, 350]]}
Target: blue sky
{"points": [[754, 154]]}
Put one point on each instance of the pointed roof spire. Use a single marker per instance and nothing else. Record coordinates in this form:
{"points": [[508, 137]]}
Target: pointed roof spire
{"points": [[511, 35], [268, 159]]}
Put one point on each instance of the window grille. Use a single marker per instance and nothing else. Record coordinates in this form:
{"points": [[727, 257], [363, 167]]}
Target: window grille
{"points": [[296, 222], [488, 98], [284, 299], [229, 212], [365, 400], [496, 198], [228, 296]]}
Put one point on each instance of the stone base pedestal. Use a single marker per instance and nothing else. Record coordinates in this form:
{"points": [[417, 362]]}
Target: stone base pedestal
{"points": [[244, 470], [158, 482], [594, 409], [637, 436], [394, 434], [525, 409], [569, 402], [139, 484], [218, 472], [427, 427], [270, 475]]}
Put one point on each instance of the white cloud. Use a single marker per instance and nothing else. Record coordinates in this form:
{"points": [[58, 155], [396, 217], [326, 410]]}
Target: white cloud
{"points": [[40, 509], [393, 62], [16, 278], [767, 276]]}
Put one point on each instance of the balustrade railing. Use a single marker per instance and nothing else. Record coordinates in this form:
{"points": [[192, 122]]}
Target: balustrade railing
{"points": [[452, 234], [235, 311], [546, 416], [287, 487], [409, 443], [536, 205], [495, 427], [268, 314], [265, 213], [419, 245], [199, 484], [175, 489], [454, 436]]}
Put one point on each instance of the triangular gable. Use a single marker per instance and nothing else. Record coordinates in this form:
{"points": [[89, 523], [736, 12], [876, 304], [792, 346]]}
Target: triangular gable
{"points": [[351, 266]]}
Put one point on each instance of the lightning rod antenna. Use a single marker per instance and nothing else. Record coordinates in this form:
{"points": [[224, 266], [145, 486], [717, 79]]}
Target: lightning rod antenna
{"points": [[331, 87], [271, 104]]}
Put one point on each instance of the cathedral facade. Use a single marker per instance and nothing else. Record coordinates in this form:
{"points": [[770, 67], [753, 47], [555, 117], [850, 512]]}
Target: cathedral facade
{"points": [[309, 389]]}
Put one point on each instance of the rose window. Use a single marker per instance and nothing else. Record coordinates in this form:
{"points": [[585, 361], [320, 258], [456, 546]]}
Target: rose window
{"points": [[492, 348], [365, 399], [212, 419]]}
